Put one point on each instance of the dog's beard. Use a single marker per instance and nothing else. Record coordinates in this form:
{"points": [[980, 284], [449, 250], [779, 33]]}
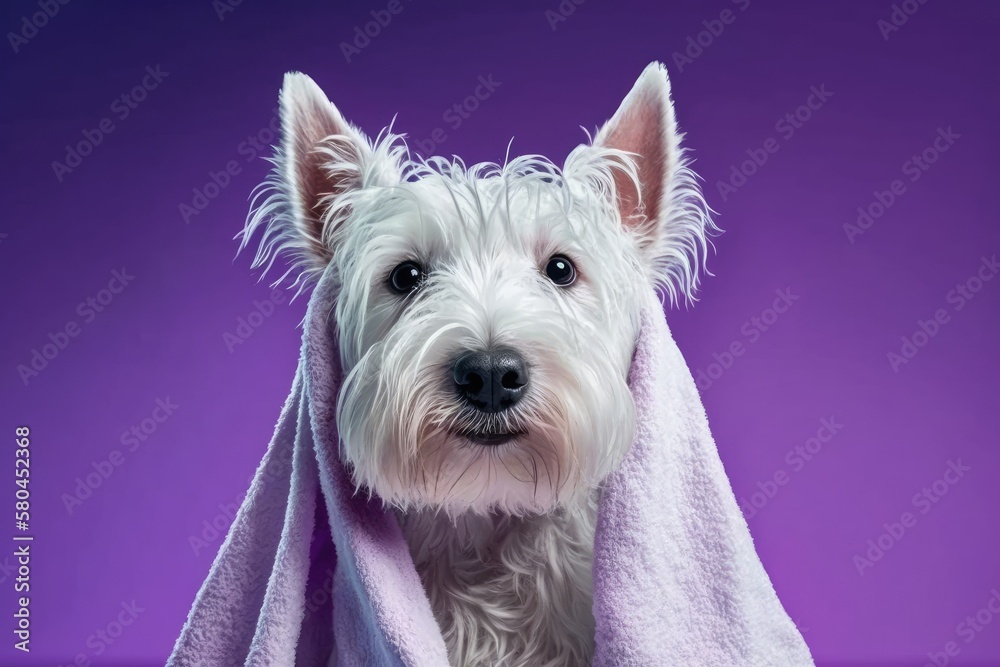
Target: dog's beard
{"points": [[409, 440]]}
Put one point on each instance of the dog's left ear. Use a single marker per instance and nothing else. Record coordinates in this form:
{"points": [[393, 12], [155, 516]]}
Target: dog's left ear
{"points": [[659, 200], [322, 164]]}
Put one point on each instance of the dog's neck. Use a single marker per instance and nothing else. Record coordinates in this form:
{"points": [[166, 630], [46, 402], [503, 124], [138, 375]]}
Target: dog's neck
{"points": [[434, 535], [525, 580]]}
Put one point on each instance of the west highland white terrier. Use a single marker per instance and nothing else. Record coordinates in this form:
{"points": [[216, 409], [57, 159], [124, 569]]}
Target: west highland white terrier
{"points": [[486, 319]]}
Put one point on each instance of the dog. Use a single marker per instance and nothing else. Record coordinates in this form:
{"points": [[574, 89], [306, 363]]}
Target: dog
{"points": [[486, 317]]}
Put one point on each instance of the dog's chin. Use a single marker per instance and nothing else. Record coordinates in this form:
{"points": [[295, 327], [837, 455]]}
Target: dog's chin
{"points": [[482, 471]]}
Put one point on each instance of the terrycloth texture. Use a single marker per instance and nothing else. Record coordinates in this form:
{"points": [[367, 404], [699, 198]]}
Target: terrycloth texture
{"points": [[676, 577], [677, 581]]}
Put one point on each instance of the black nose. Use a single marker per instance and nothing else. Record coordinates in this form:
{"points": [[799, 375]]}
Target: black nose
{"points": [[491, 380]]}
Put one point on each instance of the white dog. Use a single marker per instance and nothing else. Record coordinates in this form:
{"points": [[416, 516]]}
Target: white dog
{"points": [[486, 318]]}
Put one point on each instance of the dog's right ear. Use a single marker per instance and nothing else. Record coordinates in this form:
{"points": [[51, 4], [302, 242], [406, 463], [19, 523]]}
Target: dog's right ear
{"points": [[322, 162], [657, 195]]}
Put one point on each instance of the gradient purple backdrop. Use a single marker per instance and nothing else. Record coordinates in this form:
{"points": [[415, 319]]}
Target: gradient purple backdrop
{"points": [[164, 337]]}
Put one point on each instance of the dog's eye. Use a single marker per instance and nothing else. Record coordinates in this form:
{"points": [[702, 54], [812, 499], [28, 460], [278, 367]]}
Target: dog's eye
{"points": [[561, 271], [406, 277]]}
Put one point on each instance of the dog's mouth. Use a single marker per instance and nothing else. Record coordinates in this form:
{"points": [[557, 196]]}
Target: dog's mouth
{"points": [[490, 438]]}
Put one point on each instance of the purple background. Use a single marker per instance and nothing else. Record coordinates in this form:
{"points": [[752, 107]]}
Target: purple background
{"points": [[826, 357]]}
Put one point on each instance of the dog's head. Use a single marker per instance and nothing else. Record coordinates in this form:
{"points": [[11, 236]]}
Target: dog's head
{"points": [[486, 315]]}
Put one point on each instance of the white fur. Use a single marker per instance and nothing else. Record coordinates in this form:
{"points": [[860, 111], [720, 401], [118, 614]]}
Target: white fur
{"points": [[502, 536], [506, 590]]}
